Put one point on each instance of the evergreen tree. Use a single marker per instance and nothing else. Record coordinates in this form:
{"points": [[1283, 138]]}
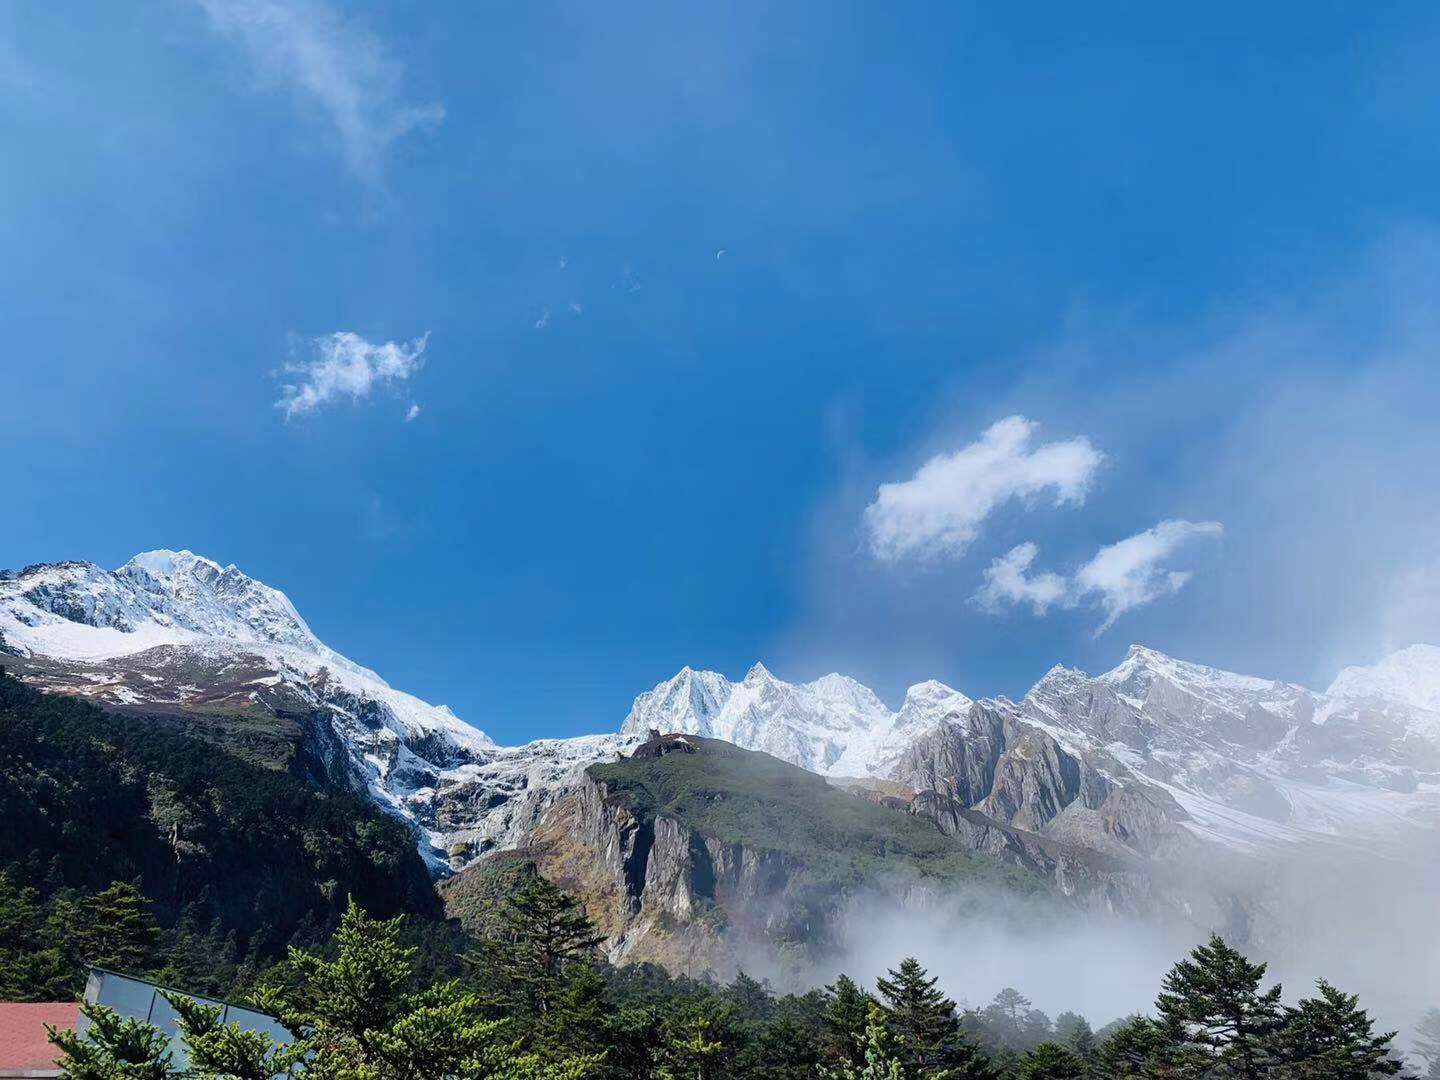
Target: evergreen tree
{"points": [[1330, 1037], [544, 930], [634, 1043], [847, 1017], [923, 1021], [698, 1041], [752, 998], [1075, 1032], [226, 1052], [782, 1049], [360, 1018], [576, 1021], [880, 1055], [1139, 1047], [1214, 999], [114, 1048], [1050, 1061], [118, 931], [1035, 1028]]}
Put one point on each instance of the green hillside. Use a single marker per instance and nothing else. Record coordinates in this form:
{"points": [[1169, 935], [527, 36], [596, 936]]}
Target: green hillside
{"points": [[744, 797], [237, 859]]}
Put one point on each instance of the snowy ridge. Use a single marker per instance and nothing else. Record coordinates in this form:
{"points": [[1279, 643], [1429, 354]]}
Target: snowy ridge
{"points": [[834, 725], [80, 612]]}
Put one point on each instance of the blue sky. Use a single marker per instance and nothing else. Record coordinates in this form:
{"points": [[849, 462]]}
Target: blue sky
{"points": [[697, 281]]}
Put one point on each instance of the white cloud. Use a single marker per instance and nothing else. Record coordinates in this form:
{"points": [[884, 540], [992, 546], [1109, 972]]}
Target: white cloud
{"points": [[1118, 578], [412, 412], [344, 364], [332, 63], [1007, 582], [1131, 572], [940, 509]]}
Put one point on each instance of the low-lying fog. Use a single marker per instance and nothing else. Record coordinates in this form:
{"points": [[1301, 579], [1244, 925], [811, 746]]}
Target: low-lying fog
{"points": [[1368, 924]]}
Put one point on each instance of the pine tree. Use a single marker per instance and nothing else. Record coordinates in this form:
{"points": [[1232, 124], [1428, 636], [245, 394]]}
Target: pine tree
{"points": [[1074, 1031], [1050, 1061], [118, 931], [361, 1019], [847, 1016], [751, 997], [113, 1048], [1139, 1047], [1214, 998], [543, 930], [782, 1049], [225, 1051], [1330, 1037], [697, 1043], [923, 1021], [880, 1054]]}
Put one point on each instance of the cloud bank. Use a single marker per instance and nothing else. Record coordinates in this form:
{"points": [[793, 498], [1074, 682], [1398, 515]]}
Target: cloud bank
{"points": [[344, 365], [330, 63], [940, 509]]}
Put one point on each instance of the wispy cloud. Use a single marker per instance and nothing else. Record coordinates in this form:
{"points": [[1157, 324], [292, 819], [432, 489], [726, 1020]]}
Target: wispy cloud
{"points": [[1008, 581], [1131, 572], [412, 412], [344, 364], [1118, 578], [332, 63], [940, 509]]}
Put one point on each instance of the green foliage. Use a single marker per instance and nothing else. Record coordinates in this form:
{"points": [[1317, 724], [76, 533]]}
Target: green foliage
{"points": [[699, 1040], [119, 931], [1050, 1061], [361, 1017], [847, 1021], [925, 1025], [234, 859], [1228, 1022], [1330, 1037], [543, 932], [225, 1051], [114, 1048], [879, 1053]]}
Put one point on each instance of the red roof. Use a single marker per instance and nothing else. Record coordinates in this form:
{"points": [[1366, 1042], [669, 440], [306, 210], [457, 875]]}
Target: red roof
{"points": [[23, 1044]]}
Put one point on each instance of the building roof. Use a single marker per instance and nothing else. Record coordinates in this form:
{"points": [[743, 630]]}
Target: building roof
{"points": [[25, 1049]]}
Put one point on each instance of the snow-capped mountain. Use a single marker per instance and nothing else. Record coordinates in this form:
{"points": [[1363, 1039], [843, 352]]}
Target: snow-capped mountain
{"points": [[1147, 758], [834, 725], [172, 630], [1124, 761]]}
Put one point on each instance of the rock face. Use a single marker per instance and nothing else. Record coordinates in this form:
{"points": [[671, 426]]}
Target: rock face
{"points": [[677, 867]]}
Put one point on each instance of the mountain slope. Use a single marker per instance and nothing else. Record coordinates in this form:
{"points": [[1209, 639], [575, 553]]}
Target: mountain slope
{"points": [[172, 632], [89, 796], [691, 851]]}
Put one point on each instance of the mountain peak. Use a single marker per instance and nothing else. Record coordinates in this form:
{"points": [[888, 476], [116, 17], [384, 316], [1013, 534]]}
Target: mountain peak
{"points": [[163, 563], [1410, 675], [759, 672]]}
